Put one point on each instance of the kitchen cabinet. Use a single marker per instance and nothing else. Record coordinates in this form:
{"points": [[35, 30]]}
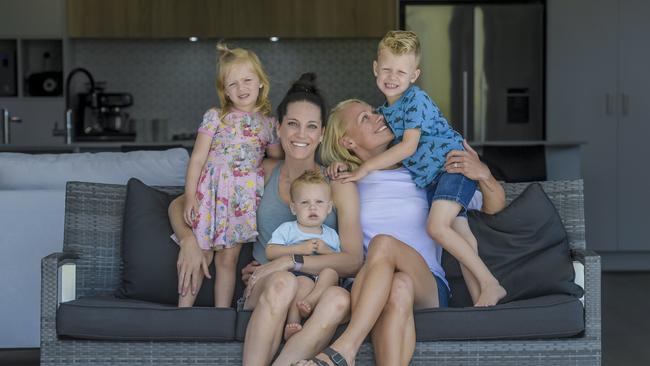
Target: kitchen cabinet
{"points": [[597, 92], [230, 18]]}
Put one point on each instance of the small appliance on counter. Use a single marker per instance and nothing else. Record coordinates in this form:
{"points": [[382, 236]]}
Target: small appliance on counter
{"points": [[98, 115], [101, 116]]}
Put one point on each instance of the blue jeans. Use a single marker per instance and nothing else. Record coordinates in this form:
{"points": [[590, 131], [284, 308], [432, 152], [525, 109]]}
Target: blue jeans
{"points": [[452, 187]]}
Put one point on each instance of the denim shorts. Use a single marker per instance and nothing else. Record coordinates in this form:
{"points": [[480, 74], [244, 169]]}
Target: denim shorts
{"points": [[453, 187], [443, 293]]}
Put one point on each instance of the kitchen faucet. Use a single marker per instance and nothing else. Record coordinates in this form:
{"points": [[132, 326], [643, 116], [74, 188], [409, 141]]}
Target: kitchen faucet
{"points": [[6, 124], [69, 126]]}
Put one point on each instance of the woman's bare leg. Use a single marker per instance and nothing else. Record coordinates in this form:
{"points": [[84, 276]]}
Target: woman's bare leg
{"points": [[271, 297], [188, 300], [224, 285], [439, 226], [305, 286], [386, 255], [393, 337], [332, 309], [326, 278]]}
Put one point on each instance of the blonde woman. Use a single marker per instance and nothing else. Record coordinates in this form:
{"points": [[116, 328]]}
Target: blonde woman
{"points": [[402, 270]]}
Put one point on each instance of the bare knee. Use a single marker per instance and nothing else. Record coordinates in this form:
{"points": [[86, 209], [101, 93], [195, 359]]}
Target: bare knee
{"points": [[401, 297], [336, 300], [281, 289], [305, 284], [380, 248], [438, 230], [226, 259], [328, 273]]}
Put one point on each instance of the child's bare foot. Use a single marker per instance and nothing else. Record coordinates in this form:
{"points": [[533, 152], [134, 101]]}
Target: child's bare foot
{"points": [[291, 329], [490, 295], [304, 308]]}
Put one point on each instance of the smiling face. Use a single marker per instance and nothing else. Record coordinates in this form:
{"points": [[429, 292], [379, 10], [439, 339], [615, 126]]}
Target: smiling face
{"points": [[395, 73], [242, 86], [301, 130], [311, 203], [366, 132]]}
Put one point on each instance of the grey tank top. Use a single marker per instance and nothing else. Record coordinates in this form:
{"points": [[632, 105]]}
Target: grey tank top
{"points": [[272, 212]]}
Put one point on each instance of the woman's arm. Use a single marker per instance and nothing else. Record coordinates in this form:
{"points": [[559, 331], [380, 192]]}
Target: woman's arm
{"points": [[274, 251], [468, 163], [190, 261]]}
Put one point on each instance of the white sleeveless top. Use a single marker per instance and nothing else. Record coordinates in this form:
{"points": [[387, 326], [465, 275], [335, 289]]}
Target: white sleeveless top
{"points": [[391, 204]]}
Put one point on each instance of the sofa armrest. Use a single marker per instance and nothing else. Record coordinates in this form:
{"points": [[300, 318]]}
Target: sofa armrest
{"points": [[50, 290], [592, 277]]}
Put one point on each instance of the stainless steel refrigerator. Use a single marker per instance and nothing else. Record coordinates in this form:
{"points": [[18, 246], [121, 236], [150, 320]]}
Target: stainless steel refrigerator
{"points": [[483, 64]]}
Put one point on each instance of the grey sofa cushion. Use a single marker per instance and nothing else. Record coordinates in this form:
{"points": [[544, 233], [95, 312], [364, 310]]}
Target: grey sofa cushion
{"points": [[526, 248], [550, 316], [542, 317], [125, 319], [148, 253]]}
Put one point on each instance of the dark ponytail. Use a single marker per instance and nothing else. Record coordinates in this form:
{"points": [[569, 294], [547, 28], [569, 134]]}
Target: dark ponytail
{"points": [[303, 89]]}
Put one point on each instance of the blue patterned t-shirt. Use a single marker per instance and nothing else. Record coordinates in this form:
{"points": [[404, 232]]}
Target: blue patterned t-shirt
{"points": [[414, 109]]}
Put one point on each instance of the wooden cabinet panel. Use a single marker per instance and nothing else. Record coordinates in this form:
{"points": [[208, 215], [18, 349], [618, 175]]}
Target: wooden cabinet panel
{"points": [[230, 18], [108, 19]]}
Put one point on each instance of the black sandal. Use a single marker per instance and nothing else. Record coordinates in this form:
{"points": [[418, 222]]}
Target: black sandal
{"points": [[335, 357]]}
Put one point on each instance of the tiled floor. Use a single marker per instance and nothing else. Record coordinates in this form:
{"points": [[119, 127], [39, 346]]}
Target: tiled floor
{"points": [[626, 324]]}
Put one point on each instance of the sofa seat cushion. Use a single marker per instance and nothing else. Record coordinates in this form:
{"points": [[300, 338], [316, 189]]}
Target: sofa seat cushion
{"points": [[552, 316], [125, 319]]}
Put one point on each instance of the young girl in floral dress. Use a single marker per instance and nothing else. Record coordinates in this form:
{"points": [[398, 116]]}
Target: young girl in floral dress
{"points": [[224, 177]]}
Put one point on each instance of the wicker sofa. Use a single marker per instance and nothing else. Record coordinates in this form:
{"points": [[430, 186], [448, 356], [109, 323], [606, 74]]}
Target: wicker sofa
{"points": [[92, 240]]}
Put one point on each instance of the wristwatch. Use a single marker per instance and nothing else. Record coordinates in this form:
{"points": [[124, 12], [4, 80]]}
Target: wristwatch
{"points": [[298, 261]]}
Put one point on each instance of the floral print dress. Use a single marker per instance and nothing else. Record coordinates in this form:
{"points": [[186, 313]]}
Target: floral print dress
{"points": [[232, 180]]}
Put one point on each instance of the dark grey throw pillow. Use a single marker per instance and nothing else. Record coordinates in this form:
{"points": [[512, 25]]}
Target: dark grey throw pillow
{"points": [[148, 253], [526, 248]]}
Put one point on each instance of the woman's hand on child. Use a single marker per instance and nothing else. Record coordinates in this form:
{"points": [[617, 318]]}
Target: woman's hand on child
{"points": [[335, 168], [191, 210], [466, 163]]}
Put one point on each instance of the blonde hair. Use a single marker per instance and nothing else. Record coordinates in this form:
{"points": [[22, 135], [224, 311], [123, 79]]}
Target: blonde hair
{"points": [[309, 177], [400, 43], [229, 57], [331, 149]]}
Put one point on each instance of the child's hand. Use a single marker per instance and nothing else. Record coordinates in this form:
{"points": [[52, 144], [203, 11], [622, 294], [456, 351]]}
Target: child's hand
{"points": [[353, 176], [308, 247], [191, 210], [322, 247], [336, 167]]}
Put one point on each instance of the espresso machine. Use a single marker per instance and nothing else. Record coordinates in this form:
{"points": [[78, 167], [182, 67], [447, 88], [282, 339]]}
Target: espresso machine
{"points": [[95, 115], [102, 116]]}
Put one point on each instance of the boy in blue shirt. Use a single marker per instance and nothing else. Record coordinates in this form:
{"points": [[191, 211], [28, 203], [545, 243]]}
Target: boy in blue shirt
{"points": [[422, 140]]}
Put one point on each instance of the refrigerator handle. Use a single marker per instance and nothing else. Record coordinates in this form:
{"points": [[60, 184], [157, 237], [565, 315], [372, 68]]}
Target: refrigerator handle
{"points": [[608, 104], [465, 106], [625, 99]]}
